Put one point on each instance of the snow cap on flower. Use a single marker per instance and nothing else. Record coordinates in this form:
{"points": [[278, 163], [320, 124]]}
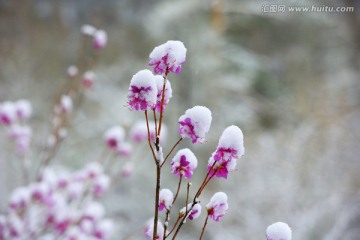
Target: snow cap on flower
{"points": [[72, 71], [93, 170], [168, 57], [88, 79], [138, 132], [124, 149], [66, 103], [23, 109], [21, 134], [184, 163], [93, 211], [101, 185], [104, 229], [194, 213], [278, 231], [168, 92], [229, 150], [7, 113], [100, 39], [114, 136], [217, 206], [166, 198], [150, 228], [127, 169], [88, 30], [20, 198], [195, 123], [142, 91]]}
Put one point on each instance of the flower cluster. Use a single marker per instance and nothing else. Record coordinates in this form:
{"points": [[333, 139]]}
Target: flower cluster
{"points": [[218, 206], [230, 148], [184, 163], [14, 116], [168, 57], [59, 206], [195, 124], [99, 36]]}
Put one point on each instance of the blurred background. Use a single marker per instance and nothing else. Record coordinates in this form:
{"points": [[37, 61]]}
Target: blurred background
{"points": [[289, 80]]}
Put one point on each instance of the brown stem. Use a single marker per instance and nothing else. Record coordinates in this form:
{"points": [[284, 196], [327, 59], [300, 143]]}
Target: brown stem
{"points": [[155, 120], [205, 179], [166, 222], [177, 221], [172, 149], [149, 140], [162, 102], [157, 191], [203, 229], [187, 197], [178, 189]]}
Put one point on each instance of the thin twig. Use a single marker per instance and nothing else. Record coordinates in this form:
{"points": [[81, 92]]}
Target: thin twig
{"points": [[149, 140], [172, 149], [203, 229]]}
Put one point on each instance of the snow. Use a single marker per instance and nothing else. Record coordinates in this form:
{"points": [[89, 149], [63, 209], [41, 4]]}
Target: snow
{"points": [[218, 206], [278, 231], [114, 136], [166, 198], [72, 71], [194, 213], [184, 163], [23, 109], [142, 91], [7, 113], [66, 103], [88, 30], [138, 132], [195, 123], [168, 56], [168, 92], [232, 137], [100, 39]]}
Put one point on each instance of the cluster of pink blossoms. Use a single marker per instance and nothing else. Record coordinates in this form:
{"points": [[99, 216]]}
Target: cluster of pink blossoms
{"points": [[195, 123], [184, 163], [146, 90], [229, 150], [59, 206], [14, 116]]}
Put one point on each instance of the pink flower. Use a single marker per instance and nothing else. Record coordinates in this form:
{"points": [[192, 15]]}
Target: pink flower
{"points": [[22, 137], [195, 211], [168, 57], [20, 198], [72, 71], [217, 206], [100, 39], [168, 92], [101, 185], [142, 91], [88, 79], [166, 198], [278, 231], [124, 149], [184, 163], [114, 136], [230, 148], [23, 109], [195, 123], [66, 104], [127, 169], [150, 228], [7, 113]]}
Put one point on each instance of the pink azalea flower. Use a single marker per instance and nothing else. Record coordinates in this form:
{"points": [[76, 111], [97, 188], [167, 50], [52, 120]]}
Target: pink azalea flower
{"points": [[23, 109], [168, 92], [7, 113], [114, 136], [230, 148], [195, 123], [88, 79], [166, 198], [168, 57], [100, 39], [217, 206], [150, 228], [278, 231], [194, 213], [184, 163], [142, 91]]}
